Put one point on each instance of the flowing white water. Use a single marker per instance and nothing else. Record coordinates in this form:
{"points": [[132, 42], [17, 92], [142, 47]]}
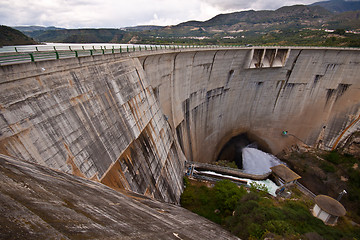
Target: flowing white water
{"points": [[270, 185], [258, 162]]}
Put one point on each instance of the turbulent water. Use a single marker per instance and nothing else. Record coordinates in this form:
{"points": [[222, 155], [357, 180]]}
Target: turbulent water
{"points": [[258, 162]]}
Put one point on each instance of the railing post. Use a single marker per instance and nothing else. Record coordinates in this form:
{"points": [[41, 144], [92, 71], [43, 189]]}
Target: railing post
{"points": [[32, 57], [76, 54], [127, 48], [70, 48], [83, 48], [120, 49], [57, 55], [16, 49], [91, 52], [37, 49], [139, 48], [134, 48]]}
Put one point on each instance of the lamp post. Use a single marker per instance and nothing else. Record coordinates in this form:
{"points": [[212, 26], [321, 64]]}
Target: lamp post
{"points": [[341, 194], [286, 133]]}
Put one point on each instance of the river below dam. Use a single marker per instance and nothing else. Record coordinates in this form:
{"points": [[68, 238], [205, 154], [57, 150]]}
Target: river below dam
{"points": [[258, 162]]}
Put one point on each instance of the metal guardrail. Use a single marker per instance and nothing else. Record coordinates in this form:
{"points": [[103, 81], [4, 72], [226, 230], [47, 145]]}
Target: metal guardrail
{"points": [[25, 54], [62, 52], [301, 187], [304, 190]]}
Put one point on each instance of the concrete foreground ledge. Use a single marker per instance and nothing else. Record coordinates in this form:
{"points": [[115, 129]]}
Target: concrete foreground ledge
{"points": [[39, 203]]}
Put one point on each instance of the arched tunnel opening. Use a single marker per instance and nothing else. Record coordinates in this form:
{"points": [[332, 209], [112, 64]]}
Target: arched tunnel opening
{"points": [[232, 150]]}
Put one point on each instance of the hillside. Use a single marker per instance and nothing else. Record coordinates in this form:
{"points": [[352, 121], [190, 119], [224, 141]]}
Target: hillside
{"points": [[10, 36], [81, 35], [289, 25], [35, 28], [345, 20], [338, 6], [283, 17]]}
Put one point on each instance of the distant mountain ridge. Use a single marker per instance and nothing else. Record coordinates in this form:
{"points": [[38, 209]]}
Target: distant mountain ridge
{"points": [[142, 28], [247, 19], [283, 25], [35, 28], [90, 35], [339, 6]]}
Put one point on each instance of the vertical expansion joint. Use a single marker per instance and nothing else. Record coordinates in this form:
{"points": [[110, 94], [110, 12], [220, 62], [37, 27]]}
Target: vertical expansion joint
{"points": [[288, 74], [212, 64]]}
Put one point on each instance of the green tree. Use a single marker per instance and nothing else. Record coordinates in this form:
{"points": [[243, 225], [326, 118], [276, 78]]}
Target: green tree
{"points": [[340, 31], [227, 195]]}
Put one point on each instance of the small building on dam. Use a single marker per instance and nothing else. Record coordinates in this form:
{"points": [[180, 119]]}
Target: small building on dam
{"points": [[131, 120]]}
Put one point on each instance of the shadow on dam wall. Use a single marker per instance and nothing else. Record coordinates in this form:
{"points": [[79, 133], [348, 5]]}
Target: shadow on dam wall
{"points": [[131, 120]]}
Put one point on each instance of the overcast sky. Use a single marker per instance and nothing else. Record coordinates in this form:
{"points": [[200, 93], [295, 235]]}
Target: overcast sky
{"points": [[123, 13]]}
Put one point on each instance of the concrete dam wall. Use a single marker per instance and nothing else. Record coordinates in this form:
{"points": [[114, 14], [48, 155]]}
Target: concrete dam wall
{"points": [[131, 120], [211, 96], [94, 117]]}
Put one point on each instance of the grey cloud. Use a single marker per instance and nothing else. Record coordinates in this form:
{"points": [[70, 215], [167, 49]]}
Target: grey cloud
{"points": [[121, 13], [232, 5]]}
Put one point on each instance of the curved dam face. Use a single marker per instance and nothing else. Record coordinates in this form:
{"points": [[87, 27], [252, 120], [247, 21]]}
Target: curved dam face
{"points": [[93, 117], [131, 120], [211, 96]]}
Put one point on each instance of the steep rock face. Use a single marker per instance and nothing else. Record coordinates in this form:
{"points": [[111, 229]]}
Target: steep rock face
{"points": [[211, 96], [93, 117]]}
